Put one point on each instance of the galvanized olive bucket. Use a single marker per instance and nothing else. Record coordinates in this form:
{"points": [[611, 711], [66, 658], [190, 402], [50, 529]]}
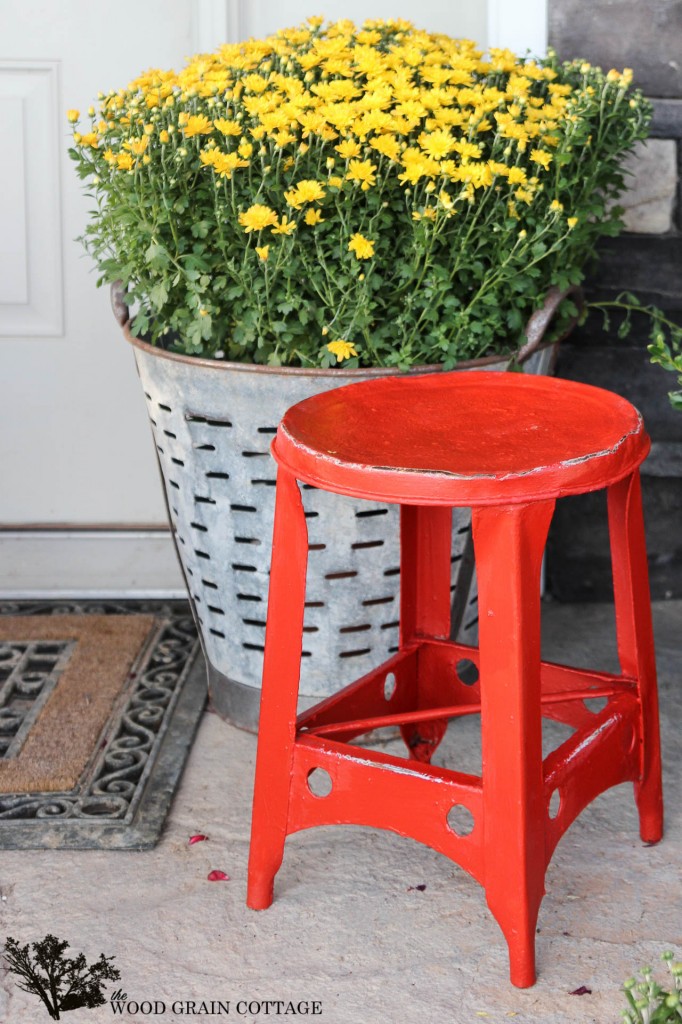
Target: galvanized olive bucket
{"points": [[213, 422]]}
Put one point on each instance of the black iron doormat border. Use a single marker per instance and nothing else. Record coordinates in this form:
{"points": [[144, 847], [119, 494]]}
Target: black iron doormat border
{"points": [[123, 796]]}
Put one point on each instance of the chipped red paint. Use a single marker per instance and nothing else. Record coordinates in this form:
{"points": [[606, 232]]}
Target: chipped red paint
{"points": [[508, 446]]}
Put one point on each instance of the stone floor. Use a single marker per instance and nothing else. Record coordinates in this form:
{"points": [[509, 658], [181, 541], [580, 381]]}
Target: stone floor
{"points": [[373, 927]]}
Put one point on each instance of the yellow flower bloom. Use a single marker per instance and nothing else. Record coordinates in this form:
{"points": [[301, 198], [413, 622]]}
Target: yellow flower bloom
{"points": [[307, 191], [387, 145], [542, 157], [73, 115], [263, 252], [313, 217], [556, 206], [571, 221], [124, 162], [285, 227], [348, 148], [245, 149], [517, 176], [342, 349], [439, 143], [197, 124], [164, 136], [227, 127], [257, 217], [89, 139], [362, 171], [137, 146], [361, 246]]}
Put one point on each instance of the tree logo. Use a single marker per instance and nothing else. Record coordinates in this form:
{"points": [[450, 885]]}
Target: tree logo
{"points": [[60, 982]]}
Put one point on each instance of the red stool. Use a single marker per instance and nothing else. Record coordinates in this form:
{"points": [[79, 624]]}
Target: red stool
{"points": [[508, 446]]}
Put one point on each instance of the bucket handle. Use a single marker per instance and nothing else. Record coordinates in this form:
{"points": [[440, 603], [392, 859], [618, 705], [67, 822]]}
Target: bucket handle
{"points": [[542, 317], [118, 304]]}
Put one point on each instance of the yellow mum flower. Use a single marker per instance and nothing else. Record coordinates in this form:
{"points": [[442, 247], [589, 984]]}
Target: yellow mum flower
{"points": [[542, 157], [362, 171], [257, 217], [361, 246], [307, 191], [197, 124], [89, 139], [263, 252], [438, 144], [245, 149], [571, 221], [164, 136], [227, 127], [348, 148], [313, 217], [124, 162], [517, 176], [73, 115], [285, 227], [556, 206], [342, 349], [387, 145], [137, 146]]}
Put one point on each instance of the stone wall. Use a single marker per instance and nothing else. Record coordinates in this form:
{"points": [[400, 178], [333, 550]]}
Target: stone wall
{"points": [[644, 35]]}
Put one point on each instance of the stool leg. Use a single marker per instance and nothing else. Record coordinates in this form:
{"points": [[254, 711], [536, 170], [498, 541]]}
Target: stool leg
{"points": [[425, 549], [281, 671], [509, 544], [636, 641]]}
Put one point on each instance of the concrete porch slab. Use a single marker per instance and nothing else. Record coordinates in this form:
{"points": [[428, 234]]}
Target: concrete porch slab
{"points": [[349, 927]]}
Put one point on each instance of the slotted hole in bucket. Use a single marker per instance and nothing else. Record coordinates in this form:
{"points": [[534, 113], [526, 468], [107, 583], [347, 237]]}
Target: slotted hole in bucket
{"points": [[356, 629], [367, 513], [356, 653], [359, 545]]}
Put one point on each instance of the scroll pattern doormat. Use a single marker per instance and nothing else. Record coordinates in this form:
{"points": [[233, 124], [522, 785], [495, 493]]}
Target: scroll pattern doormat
{"points": [[99, 704]]}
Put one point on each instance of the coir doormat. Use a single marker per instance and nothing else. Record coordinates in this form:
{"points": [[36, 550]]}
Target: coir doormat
{"points": [[99, 704]]}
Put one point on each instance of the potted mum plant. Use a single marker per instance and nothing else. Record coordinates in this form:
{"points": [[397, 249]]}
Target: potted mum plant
{"points": [[286, 214]]}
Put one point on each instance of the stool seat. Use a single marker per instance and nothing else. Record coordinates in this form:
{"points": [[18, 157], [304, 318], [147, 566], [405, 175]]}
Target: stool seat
{"points": [[462, 438]]}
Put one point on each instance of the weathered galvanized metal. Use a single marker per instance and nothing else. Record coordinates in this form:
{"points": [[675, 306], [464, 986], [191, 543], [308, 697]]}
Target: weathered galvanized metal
{"points": [[509, 446], [213, 422]]}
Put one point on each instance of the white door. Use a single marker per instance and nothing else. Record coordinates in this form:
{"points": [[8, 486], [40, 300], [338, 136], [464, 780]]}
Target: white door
{"points": [[81, 508]]}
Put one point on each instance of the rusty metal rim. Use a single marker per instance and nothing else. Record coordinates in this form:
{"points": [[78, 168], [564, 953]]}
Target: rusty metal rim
{"points": [[301, 371]]}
